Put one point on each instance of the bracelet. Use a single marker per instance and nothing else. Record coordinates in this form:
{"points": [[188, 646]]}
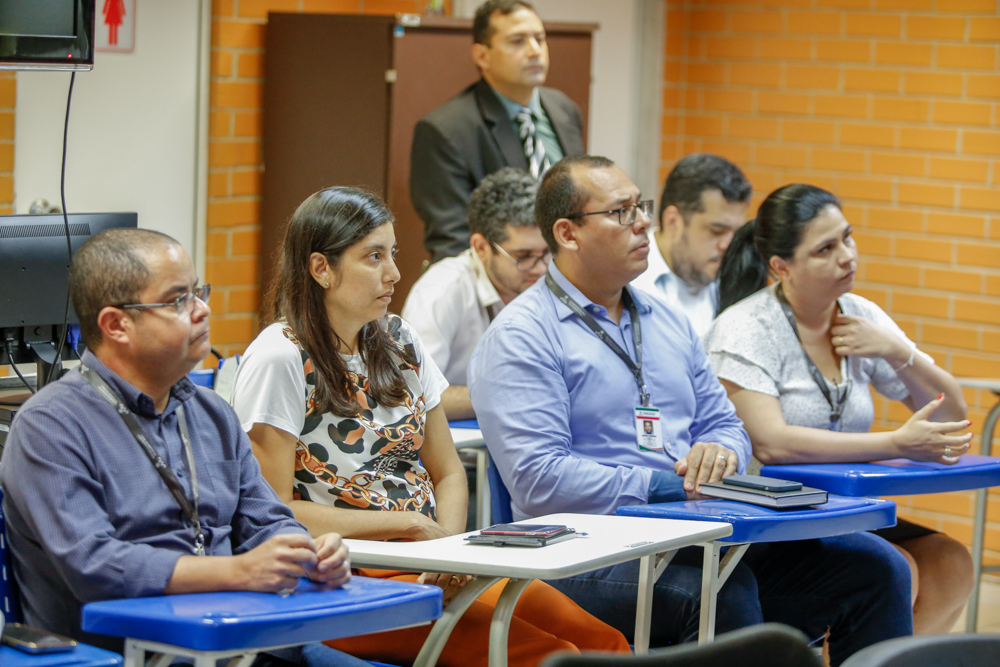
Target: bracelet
{"points": [[909, 362]]}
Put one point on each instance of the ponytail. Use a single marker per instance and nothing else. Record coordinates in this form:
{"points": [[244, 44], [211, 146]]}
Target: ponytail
{"points": [[776, 231], [743, 270]]}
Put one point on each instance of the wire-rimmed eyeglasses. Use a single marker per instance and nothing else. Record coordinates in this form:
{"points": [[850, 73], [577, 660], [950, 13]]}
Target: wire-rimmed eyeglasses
{"points": [[525, 264]]}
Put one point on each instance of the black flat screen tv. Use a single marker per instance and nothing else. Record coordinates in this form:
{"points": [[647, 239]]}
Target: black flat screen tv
{"points": [[47, 34]]}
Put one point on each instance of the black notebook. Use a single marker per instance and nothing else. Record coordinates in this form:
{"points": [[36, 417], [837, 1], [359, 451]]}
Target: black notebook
{"points": [[802, 498]]}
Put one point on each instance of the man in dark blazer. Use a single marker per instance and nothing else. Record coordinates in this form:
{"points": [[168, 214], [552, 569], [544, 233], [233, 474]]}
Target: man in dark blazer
{"points": [[477, 132]]}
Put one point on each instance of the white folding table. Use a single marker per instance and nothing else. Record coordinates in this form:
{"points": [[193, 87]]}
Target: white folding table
{"points": [[606, 540], [471, 439]]}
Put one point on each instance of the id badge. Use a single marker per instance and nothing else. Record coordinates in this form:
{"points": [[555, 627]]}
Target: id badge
{"points": [[647, 429]]}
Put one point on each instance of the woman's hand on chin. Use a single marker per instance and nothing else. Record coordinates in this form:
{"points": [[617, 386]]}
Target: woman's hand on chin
{"points": [[860, 337], [920, 439]]}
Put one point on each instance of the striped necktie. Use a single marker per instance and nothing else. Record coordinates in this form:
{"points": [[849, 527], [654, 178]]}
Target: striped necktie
{"points": [[538, 162]]}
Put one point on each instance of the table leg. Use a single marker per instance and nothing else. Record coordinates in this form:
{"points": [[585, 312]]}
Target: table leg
{"points": [[650, 569], [979, 525], [135, 656], [438, 637], [483, 506], [714, 574], [500, 625]]}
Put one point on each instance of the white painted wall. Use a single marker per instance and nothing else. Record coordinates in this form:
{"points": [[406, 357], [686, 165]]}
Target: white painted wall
{"points": [[133, 143], [614, 100]]}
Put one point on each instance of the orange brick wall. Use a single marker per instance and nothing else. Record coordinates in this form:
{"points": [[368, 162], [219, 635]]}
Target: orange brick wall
{"points": [[8, 97], [234, 153], [894, 105]]}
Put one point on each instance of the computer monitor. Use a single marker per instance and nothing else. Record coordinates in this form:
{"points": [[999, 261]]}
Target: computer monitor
{"points": [[34, 280], [47, 34]]}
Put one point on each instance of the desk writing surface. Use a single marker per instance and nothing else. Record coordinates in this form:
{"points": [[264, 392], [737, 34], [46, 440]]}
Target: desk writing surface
{"points": [[754, 523], [609, 540], [897, 477], [467, 437], [83, 656], [239, 620]]}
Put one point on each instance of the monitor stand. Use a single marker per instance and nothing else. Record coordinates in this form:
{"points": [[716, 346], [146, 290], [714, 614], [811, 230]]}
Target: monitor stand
{"points": [[45, 358]]}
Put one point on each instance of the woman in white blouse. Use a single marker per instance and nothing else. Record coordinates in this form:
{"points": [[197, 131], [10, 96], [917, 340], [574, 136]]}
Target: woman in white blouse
{"points": [[797, 358], [342, 405]]}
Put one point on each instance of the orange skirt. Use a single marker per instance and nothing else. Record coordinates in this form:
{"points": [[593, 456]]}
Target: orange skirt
{"points": [[545, 621]]}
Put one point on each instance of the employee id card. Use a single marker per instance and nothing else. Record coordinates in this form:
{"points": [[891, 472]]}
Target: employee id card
{"points": [[647, 429]]}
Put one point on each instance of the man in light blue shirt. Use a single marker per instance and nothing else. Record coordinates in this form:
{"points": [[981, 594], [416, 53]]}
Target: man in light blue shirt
{"points": [[565, 418]]}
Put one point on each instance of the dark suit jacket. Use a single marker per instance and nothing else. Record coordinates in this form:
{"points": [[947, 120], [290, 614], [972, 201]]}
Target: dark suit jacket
{"points": [[462, 142]]}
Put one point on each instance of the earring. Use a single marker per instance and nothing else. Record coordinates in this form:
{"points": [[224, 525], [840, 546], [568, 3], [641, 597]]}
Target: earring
{"points": [[326, 285]]}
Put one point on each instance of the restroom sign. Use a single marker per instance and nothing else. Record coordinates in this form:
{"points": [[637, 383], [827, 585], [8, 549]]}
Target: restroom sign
{"points": [[115, 25]]}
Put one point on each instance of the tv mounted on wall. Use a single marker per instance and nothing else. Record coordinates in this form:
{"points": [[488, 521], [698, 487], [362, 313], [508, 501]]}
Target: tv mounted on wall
{"points": [[46, 34]]}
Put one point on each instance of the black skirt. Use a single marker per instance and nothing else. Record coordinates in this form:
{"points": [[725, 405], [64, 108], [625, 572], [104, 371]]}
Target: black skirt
{"points": [[902, 531]]}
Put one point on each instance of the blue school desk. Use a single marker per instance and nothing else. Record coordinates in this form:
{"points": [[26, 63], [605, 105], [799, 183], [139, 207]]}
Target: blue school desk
{"points": [[82, 656], [210, 626], [901, 477], [752, 523]]}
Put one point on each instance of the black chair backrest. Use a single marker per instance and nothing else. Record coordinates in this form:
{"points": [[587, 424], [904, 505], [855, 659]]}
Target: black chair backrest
{"points": [[931, 651], [768, 645]]}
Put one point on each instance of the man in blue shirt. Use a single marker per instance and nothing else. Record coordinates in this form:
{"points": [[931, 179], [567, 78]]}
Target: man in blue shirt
{"points": [[88, 515], [564, 414]]}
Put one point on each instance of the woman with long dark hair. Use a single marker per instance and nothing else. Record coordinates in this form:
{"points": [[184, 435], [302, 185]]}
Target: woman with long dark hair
{"points": [[342, 406], [797, 358]]}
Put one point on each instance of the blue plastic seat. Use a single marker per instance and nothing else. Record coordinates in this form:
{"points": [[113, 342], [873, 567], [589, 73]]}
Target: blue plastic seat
{"points": [[499, 496], [82, 656], [464, 423]]}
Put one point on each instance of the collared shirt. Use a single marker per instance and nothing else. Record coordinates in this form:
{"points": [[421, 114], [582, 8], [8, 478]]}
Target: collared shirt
{"points": [[697, 302], [89, 518], [450, 307], [543, 126], [556, 404]]}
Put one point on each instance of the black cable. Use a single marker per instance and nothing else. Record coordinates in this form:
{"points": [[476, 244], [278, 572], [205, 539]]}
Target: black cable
{"points": [[69, 245], [10, 355]]}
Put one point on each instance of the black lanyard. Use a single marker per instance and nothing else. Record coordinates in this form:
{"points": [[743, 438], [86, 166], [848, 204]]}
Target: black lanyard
{"points": [[837, 402], [169, 478], [634, 366]]}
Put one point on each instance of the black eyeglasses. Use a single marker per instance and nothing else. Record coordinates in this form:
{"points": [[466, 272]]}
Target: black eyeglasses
{"points": [[184, 303], [524, 264], [626, 214]]}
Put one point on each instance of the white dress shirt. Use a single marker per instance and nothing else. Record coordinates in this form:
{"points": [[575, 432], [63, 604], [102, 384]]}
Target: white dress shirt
{"points": [[697, 302], [450, 307]]}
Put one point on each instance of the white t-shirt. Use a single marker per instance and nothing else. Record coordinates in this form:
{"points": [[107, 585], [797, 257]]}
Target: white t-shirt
{"points": [[366, 462], [752, 345], [698, 303], [450, 307]]}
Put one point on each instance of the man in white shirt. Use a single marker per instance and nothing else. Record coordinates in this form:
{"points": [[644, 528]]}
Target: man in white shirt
{"points": [[454, 301], [705, 200]]}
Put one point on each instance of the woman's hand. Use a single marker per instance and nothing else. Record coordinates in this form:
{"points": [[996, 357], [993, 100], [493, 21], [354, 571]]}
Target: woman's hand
{"points": [[450, 584], [922, 440], [425, 528], [860, 337]]}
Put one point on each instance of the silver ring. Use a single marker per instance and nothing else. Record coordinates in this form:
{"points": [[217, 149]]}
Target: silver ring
{"points": [[947, 451], [722, 456]]}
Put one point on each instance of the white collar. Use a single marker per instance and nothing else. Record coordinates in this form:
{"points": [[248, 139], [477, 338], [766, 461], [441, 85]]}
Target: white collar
{"points": [[485, 290]]}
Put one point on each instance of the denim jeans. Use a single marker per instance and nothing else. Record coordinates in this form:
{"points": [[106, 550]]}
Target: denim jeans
{"points": [[857, 585]]}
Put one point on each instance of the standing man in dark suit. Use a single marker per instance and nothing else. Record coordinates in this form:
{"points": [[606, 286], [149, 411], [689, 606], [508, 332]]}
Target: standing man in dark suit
{"points": [[506, 119]]}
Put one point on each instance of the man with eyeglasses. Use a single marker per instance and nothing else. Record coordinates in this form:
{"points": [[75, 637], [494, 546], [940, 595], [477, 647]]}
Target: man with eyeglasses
{"points": [[563, 383], [122, 479], [454, 301]]}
